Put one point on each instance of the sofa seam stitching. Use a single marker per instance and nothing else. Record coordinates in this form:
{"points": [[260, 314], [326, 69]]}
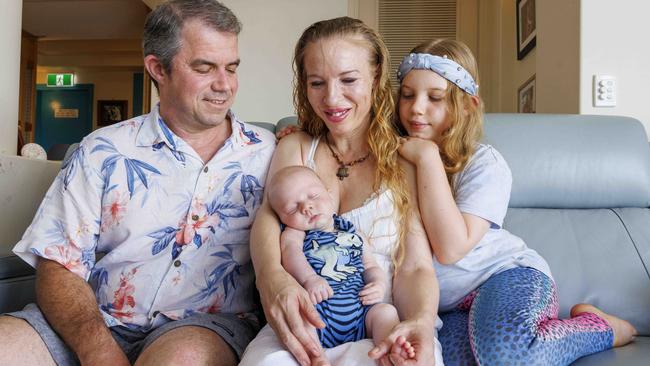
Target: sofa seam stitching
{"points": [[632, 240]]}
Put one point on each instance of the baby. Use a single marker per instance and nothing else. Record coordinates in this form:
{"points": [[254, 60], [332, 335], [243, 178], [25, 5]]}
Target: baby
{"points": [[322, 251]]}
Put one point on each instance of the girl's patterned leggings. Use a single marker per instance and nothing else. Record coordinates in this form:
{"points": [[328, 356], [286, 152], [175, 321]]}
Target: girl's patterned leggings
{"points": [[511, 319]]}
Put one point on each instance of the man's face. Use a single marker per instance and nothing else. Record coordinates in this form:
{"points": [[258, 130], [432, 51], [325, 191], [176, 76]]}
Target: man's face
{"points": [[201, 87]]}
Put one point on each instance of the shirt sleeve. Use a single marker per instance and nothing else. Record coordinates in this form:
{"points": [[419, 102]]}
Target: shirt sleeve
{"points": [[66, 225], [483, 187]]}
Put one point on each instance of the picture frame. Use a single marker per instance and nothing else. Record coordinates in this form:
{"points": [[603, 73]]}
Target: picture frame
{"points": [[526, 27], [527, 96], [111, 111]]}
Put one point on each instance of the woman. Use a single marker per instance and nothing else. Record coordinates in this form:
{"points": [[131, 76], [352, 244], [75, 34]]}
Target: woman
{"points": [[343, 98]]}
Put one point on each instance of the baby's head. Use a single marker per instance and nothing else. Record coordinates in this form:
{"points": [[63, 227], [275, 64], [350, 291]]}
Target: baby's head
{"points": [[300, 199], [438, 97]]}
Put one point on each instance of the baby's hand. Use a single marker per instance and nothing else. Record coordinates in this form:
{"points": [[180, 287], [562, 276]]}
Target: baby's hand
{"points": [[286, 131], [318, 289], [415, 149], [372, 293]]}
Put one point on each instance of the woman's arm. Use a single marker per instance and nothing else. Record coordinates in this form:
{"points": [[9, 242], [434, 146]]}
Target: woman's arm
{"points": [[286, 304], [415, 288], [452, 234]]}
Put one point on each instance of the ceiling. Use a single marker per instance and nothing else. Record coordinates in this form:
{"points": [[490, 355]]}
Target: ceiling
{"points": [[84, 19]]}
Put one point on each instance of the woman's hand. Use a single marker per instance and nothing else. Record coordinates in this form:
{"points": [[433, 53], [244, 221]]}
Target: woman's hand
{"points": [[415, 149], [288, 130], [396, 348], [291, 313]]}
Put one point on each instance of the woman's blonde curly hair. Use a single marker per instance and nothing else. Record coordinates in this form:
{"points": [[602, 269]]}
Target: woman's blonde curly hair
{"points": [[459, 142], [382, 139]]}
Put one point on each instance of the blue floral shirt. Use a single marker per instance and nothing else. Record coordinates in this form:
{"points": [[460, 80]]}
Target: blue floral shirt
{"points": [[172, 231]]}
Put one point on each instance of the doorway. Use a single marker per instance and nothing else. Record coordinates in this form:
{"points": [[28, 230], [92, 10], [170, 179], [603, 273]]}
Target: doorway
{"points": [[63, 115]]}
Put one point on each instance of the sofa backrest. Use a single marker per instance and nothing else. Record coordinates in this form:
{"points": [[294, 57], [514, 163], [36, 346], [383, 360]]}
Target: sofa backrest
{"points": [[580, 197], [23, 183], [573, 161]]}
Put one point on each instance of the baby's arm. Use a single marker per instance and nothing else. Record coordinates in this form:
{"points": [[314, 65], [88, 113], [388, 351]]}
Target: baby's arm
{"points": [[452, 234], [374, 277], [294, 262]]}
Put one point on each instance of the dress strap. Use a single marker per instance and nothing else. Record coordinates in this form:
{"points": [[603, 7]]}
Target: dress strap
{"points": [[310, 163]]}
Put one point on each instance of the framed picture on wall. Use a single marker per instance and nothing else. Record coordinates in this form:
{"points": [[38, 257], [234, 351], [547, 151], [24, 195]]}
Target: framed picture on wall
{"points": [[526, 27], [111, 111], [526, 96]]}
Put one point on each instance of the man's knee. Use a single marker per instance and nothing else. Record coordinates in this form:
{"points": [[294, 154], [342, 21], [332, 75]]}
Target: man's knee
{"points": [[189, 345], [21, 344]]}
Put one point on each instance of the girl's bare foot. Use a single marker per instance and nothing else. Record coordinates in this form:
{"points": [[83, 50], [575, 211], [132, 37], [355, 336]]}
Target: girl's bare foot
{"points": [[624, 332]]}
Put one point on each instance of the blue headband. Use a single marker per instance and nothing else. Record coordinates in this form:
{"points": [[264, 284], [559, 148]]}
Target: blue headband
{"points": [[442, 66]]}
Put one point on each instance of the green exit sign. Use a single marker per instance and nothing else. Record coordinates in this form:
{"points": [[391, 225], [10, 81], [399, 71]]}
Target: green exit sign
{"points": [[60, 80]]}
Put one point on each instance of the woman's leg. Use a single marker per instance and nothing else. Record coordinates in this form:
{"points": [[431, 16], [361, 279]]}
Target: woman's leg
{"points": [[514, 319]]}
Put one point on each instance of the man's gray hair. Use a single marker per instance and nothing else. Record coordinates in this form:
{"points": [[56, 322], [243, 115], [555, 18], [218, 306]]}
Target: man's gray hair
{"points": [[162, 28]]}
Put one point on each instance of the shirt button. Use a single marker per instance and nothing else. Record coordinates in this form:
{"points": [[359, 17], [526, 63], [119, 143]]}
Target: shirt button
{"points": [[195, 217], [205, 170], [177, 263], [155, 314]]}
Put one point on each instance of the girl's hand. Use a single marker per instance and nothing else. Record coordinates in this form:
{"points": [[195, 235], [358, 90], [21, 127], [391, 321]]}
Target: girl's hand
{"points": [[415, 149], [419, 336], [288, 130]]}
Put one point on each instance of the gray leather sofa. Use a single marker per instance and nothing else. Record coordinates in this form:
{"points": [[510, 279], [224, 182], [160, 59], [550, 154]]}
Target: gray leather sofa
{"points": [[580, 197]]}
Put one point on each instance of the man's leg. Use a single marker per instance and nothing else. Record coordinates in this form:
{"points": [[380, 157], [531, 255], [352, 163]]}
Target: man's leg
{"points": [[189, 345], [205, 339], [21, 345]]}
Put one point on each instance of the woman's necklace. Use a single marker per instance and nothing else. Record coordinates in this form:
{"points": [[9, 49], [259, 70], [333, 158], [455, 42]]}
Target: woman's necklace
{"points": [[342, 172]]}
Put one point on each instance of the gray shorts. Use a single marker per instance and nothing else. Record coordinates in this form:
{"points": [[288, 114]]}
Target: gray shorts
{"points": [[236, 331]]}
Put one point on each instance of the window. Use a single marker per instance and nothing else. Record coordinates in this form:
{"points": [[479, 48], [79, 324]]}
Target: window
{"points": [[405, 23]]}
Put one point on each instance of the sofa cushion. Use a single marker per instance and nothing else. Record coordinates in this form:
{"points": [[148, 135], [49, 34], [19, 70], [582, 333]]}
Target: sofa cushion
{"points": [[573, 161]]}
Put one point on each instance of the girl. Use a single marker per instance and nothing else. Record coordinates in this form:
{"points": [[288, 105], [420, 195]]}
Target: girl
{"points": [[463, 190]]}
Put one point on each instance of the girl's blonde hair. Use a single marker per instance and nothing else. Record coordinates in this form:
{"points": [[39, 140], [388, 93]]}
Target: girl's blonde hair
{"points": [[382, 139], [459, 142]]}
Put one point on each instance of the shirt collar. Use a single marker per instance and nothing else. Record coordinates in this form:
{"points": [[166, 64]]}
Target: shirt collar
{"points": [[154, 132]]}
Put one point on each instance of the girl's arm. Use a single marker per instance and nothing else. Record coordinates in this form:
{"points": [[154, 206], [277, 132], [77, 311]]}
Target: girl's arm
{"points": [[286, 304], [415, 288], [452, 234]]}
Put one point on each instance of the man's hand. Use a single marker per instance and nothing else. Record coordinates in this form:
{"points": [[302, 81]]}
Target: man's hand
{"points": [[318, 288], [392, 350], [288, 130], [291, 313]]}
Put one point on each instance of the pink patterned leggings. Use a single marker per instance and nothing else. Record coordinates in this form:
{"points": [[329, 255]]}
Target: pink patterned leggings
{"points": [[512, 319]]}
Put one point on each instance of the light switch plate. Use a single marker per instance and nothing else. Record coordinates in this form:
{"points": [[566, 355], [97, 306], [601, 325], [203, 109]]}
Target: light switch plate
{"points": [[604, 91]]}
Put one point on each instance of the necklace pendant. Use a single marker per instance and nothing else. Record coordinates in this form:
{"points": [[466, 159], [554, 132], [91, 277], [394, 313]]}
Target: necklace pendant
{"points": [[342, 172]]}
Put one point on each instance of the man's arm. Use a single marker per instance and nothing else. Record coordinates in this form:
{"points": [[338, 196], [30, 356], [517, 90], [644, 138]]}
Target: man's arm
{"points": [[69, 305]]}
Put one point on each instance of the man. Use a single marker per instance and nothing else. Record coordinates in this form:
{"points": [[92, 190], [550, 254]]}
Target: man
{"points": [[168, 199]]}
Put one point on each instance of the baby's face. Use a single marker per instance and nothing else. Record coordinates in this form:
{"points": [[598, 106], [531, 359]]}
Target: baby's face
{"points": [[302, 202]]}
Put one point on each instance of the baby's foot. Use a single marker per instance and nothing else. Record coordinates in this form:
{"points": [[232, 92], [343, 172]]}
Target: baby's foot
{"points": [[404, 348], [624, 332]]}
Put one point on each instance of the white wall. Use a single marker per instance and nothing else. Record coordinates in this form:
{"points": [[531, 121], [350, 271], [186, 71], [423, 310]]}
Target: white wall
{"points": [[266, 43], [614, 39], [10, 33]]}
